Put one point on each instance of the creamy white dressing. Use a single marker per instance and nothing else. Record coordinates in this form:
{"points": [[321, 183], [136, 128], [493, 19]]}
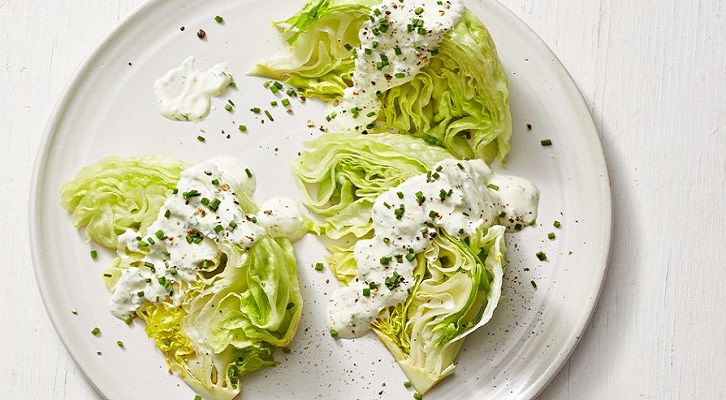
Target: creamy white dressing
{"points": [[185, 237], [185, 93], [458, 197], [396, 41]]}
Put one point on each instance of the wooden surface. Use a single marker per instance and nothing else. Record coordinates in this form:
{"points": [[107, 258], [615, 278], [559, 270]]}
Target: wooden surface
{"points": [[653, 73]]}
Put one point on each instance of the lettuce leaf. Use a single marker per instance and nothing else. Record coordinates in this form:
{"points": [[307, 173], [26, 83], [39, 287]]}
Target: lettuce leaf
{"points": [[459, 101], [455, 294], [243, 305], [116, 194], [342, 175]]}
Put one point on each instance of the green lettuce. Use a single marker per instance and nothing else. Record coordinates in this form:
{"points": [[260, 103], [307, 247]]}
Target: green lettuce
{"points": [[460, 100], [342, 175], [455, 293], [115, 194], [243, 305], [458, 280]]}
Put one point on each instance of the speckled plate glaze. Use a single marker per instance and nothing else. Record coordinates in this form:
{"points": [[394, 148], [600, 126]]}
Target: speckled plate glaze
{"points": [[109, 109]]}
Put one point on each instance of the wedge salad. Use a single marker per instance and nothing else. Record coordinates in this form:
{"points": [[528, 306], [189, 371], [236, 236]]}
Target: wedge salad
{"points": [[211, 274], [419, 104]]}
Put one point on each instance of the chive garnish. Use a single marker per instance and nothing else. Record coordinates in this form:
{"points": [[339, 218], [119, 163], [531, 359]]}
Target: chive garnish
{"points": [[418, 11], [551, 236], [285, 102], [493, 186], [385, 260], [160, 235], [214, 204], [546, 142], [255, 110], [366, 292], [204, 201], [269, 115], [400, 75], [190, 194], [228, 107], [556, 224], [167, 213], [333, 333], [348, 46], [232, 225], [201, 139], [400, 195], [410, 256], [94, 254], [541, 255], [107, 275], [242, 128], [534, 284], [248, 172], [407, 384], [273, 103], [218, 228], [219, 19], [319, 266], [140, 294], [95, 331]]}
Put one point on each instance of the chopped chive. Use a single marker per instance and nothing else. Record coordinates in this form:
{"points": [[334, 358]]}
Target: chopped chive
{"points": [[167, 213], [400, 75], [277, 85], [348, 46], [418, 11], [493, 186], [190, 194], [228, 107], [333, 333], [502, 214], [551, 236], [385, 260], [218, 228], [534, 284], [214, 204], [129, 320], [150, 240], [386, 205], [201, 138], [273, 103], [266, 84], [230, 102], [432, 214], [410, 256], [232, 225], [285, 102], [174, 191], [556, 224], [140, 294], [215, 181], [374, 44], [400, 195], [204, 201], [371, 114], [436, 175], [421, 31], [160, 235], [269, 115], [399, 258], [197, 397], [255, 110], [95, 331], [442, 194], [94, 254], [372, 285], [397, 50], [219, 19], [546, 142], [386, 240], [418, 396], [290, 306], [367, 292], [242, 128], [541, 255], [319, 266], [119, 343], [399, 212], [291, 92], [248, 172], [149, 266], [107, 275], [461, 167], [407, 384], [517, 227]]}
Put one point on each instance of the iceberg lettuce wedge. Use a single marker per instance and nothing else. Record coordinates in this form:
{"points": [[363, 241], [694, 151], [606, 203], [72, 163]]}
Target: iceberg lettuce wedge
{"points": [[242, 307], [460, 100], [457, 280]]}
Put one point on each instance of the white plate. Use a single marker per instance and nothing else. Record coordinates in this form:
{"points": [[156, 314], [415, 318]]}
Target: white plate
{"points": [[109, 109]]}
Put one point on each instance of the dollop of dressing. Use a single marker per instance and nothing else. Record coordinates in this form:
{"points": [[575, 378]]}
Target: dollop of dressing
{"points": [[459, 197], [203, 212], [185, 93], [397, 40]]}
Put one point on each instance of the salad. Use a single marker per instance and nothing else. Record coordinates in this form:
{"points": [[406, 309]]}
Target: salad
{"points": [[211, 274], [418, 107]]}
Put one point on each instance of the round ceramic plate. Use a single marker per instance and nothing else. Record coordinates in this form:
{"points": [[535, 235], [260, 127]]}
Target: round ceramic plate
{"points": [[109, 109]]}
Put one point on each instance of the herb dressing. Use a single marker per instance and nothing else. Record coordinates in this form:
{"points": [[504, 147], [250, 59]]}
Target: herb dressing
{"points": [[459, 197], [396, 41], [203, 213], [185, 93]]}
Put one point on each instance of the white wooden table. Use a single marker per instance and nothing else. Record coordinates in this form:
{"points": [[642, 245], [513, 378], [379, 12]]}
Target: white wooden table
{"points": [[653, 72]]}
